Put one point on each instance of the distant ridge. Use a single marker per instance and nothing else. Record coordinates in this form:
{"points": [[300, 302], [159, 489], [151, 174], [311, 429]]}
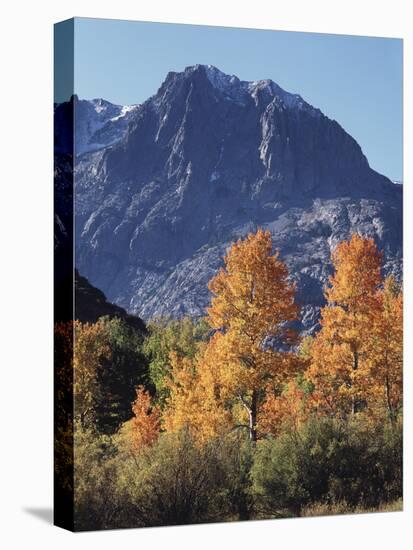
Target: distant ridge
{"points": [[98, 124], [91, 304]]}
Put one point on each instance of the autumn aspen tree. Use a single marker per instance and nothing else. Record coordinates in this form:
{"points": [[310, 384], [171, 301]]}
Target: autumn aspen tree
{"points": [[387, 350], [341, 358], [145, 424], [251, 307]]}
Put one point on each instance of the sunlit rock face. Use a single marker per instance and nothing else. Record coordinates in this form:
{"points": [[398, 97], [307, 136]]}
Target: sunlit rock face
{"points": [[200, 164]]}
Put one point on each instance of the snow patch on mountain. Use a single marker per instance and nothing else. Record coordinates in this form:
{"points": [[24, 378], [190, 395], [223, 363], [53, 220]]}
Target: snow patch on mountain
{"points": [[98, 124], [124, 111], [234, 88]]}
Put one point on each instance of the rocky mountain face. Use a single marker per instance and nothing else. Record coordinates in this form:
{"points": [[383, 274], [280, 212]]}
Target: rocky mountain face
{"points": [[203, 162], [97, 124]]}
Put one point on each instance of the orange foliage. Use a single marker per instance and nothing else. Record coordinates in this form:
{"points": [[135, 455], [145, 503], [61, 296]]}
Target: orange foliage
{"points": [[222, 387], [357, 276], [387, 350], [194, 401], [286, 411], [182, 403], [252, 303], [63, 356], [145, 425], [348, 354], [252, 295]]}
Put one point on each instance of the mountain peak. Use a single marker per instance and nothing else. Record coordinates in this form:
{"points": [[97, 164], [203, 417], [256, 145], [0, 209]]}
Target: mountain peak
{"points": [[217, 77], [240, 91], [206, 160]]}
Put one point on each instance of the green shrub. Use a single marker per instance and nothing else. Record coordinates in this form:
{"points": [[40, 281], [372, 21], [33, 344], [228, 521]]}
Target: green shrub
{"points": [[325, 467], [328, 461], [95, 481], [182, 336], [235, 453], [174, 482], [118, 377]]}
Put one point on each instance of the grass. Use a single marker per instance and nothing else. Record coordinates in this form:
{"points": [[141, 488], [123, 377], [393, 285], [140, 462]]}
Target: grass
{"points": [[321, 509]]}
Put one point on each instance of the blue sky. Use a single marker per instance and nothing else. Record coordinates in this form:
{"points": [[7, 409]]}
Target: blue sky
{"points": [[354, 80]]}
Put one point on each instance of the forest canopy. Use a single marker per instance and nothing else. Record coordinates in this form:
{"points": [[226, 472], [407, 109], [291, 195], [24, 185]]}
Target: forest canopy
{"points": [[236, 415]]}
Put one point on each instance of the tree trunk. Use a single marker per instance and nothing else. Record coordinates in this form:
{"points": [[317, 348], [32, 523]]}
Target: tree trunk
{"points": [[389, 403], [253, 417], [355, 367]]}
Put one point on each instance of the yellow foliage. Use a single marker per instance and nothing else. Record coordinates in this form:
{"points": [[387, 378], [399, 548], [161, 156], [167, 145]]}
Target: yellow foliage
{"points": [[194, 401], [90, 347], [387, 351], [252, 295], [356, 358], [222, 387], [235, 380]]}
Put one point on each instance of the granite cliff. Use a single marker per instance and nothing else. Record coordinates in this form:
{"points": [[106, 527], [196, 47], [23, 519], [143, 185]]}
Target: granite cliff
{"points": [[201, 163]]}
